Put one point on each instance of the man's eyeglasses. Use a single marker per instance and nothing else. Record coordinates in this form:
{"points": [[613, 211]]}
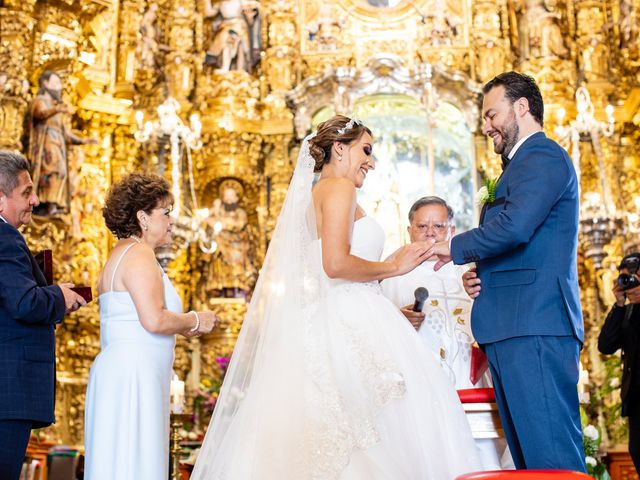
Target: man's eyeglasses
{"points": [[437, 227]]}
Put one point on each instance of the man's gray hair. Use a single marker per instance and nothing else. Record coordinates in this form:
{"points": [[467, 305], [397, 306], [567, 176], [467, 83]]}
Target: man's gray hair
{"points": [[430, 200], [11, 166]]}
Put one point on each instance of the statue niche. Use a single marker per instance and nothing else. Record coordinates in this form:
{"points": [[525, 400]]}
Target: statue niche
{"points": [[229, 271]]}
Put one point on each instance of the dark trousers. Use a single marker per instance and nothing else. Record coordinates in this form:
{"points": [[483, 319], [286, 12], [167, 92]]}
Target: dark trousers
{"points": [[535, 380], [14, 437], [634, 438]]}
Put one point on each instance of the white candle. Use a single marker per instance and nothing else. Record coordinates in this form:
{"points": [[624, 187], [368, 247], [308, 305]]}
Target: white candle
{"points": [[176, 391]]}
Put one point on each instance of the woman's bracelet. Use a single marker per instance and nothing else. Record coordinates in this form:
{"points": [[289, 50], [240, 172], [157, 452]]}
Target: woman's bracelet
{"points": [[195, 329]]}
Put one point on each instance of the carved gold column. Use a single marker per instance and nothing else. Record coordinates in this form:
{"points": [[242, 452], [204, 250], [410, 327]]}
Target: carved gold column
{"points": [[128, 23], [491, 49], [180, 62], [281, 66], [492, 56], [16, 49]]}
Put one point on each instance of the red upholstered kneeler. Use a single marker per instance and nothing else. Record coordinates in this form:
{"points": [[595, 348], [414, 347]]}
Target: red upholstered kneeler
{"points": [[482, 413], [526, 475], [477, 395]]}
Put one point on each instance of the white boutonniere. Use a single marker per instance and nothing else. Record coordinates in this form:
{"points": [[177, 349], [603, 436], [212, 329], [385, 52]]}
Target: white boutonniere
{"points": [[487, 193]]}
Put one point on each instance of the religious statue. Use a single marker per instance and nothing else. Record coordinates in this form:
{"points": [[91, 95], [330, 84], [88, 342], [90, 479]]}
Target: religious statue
{"points": [[149, 45], [230, 271], [628, 24], [48, 145], [539, 31], [237, 40], [325, 29]]}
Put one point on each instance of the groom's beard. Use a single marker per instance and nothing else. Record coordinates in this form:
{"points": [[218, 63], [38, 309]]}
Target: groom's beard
{"points": [[509, 134]]}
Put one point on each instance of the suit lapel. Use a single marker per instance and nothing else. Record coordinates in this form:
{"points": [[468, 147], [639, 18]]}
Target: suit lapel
{"points": [[35, 268], [483, 212], [485, 207]]}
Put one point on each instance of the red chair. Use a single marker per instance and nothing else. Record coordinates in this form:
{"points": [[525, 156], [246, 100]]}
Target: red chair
{"points": [[526, 475]]}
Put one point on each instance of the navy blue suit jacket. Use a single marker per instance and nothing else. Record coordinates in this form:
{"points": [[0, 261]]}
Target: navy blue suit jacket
{"points": [[29, 310], [525, 249]]}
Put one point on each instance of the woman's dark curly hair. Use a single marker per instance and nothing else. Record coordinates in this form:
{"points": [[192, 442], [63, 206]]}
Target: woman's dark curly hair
{"points": [[333, 130], [135, 192]]}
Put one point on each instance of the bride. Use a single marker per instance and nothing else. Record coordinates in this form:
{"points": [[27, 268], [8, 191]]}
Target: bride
{"points": [[328, 380]]}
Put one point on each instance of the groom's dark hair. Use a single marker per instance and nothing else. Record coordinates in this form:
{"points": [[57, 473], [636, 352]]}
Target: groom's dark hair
{"points": [[518, 85]]}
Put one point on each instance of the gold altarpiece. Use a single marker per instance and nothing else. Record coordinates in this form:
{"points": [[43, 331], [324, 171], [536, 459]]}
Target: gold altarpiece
{"points": [[119, 56]]}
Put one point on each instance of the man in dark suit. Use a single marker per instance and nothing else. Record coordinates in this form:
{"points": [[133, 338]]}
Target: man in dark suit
{"points": [[527, 317], [621, 330], [29, 311]]}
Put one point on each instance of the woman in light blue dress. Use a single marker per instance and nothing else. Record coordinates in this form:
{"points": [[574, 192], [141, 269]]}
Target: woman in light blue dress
{"points": [[127, 402]]}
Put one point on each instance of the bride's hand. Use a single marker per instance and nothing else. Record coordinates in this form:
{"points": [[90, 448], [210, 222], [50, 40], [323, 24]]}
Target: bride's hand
{"points": [[408, 257]]}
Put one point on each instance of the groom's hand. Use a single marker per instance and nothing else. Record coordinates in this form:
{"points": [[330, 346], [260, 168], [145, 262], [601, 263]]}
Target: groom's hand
{"points": [[471, 282], [442, 251]]}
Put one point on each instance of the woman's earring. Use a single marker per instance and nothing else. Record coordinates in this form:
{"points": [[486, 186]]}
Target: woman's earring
{"points": [[339, 157], [146, 227]]}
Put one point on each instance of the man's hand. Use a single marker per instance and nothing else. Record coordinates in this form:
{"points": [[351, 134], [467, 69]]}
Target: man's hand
{"points": [[72, 301], [90, 141], [471, 282], [415, 318], [621, 298], [408, 257], [633, 295], [441, 249]]}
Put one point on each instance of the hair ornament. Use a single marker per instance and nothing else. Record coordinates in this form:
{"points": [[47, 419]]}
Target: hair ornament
{"points": [[350, 124]]}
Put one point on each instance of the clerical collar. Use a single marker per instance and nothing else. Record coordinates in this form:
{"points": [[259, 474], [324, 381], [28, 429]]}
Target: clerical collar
{"points": [[2, 218]]}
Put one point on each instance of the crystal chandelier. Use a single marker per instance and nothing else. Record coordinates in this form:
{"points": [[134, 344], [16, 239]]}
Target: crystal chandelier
{"points": [[169, 129], [599, 221]]}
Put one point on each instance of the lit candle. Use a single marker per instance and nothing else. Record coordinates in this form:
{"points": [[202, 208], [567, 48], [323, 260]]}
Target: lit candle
{"points": [[176, 391]]}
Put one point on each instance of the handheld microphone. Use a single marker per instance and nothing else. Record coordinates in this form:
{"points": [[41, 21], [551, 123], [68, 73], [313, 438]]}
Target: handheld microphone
{"points": [[421, 294]]}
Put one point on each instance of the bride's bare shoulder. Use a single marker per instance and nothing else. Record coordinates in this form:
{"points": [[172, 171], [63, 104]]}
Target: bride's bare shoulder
{"points": [[337, 185]]}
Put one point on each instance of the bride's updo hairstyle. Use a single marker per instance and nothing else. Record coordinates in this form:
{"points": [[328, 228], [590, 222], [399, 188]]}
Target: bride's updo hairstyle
{"points": [[337, 129]]}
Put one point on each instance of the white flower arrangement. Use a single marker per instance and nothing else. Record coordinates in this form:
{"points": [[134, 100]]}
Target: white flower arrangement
{"points": [[590, 461], [591, 432], [591, 443]]}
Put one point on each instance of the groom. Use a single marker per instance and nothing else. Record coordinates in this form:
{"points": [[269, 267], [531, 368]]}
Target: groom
{"points": [[527, 317]]}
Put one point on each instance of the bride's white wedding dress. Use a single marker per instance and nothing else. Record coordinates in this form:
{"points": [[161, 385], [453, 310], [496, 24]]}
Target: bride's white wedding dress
{"points": [[332, 382]]}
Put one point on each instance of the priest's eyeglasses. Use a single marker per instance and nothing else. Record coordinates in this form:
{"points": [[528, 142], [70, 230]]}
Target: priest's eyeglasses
{"points": [[437, 227]]}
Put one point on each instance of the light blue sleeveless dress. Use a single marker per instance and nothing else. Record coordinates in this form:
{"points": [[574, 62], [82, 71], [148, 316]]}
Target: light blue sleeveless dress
{"points": [[127, 402]]}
